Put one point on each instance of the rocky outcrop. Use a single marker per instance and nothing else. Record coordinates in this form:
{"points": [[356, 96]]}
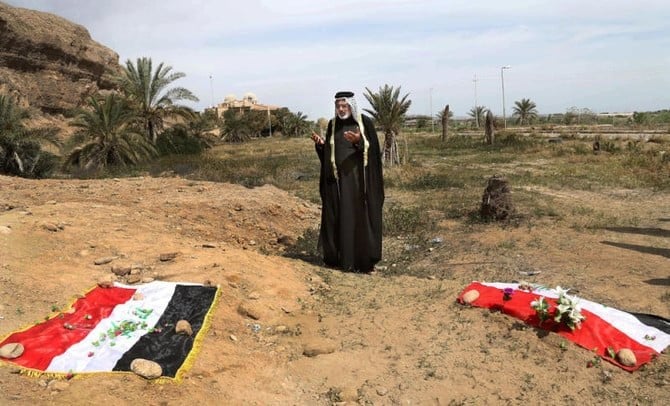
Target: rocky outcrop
{"points": [[49, 62]]}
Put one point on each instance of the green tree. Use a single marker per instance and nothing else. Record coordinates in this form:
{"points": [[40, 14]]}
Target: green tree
{"points": [[233, 127], [295, 124], [241, 126], [257, 122], [525, 110], [478, 113], [576, 115], [21, 150], [192, 137], [640, 118], [422, 122], [108, 136], [151, 98], [280, 118], [11, 115], [389, 111], [208, 119]]}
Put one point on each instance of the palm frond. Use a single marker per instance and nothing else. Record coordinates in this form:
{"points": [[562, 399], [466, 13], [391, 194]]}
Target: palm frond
{"points": [[110, 138], [149, 93], [525, 110]]}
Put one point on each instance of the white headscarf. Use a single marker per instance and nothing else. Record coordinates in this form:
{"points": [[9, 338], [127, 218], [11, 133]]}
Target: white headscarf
{"points": [[351, 101], [359, 119]]}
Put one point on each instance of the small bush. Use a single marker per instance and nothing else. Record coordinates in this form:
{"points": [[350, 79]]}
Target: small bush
{"points": [[461, 142], [515, 141], [404, 220], [45, 165], [633, 146], [435, 181], [177, 140], [35, 162], [609, 146], [581, 149], [305, 247]]}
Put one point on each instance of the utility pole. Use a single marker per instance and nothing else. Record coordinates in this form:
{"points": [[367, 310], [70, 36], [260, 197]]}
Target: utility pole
{"points": [[270, 120], [476, 112], [432, 122], [502, 80], [211, 89]]}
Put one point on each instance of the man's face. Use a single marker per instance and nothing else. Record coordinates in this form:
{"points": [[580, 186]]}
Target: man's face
{"points": [[342, 108]]}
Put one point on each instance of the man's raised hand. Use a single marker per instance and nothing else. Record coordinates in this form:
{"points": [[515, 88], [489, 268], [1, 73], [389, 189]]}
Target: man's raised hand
{"points": [[317, 138]]}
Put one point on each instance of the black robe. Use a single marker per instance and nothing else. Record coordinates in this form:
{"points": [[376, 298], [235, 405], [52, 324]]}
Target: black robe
{"points": [[351, 214]]}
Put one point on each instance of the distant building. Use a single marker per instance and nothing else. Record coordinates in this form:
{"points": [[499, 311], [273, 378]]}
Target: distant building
{"points": [[248, 102], [621, 114]]}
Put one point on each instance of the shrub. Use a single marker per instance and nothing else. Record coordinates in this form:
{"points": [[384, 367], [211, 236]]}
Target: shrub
{"points": [[21, 151], [403, 220], [177, 140], [609, 146]]}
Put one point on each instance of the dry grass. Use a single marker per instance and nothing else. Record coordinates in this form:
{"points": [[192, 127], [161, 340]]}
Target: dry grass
{"points": [[445, 181], [594, 223]]}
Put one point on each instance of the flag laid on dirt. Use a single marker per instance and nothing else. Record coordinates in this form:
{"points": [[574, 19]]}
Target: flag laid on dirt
{"points": [[107, 328], [605, 330]]}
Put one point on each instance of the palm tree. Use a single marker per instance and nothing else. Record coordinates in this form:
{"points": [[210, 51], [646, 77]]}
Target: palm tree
{"points": [[389, 111], [20, 147], [444, 121], [11, 115], [235, 126], [192, 137], [149, 95], [439, 117], [479, 114], [525, 110], [295, 124], [109, 136]]}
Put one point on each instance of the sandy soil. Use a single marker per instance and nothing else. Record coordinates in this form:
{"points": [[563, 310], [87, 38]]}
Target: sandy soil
{"points": [[378, 339]]}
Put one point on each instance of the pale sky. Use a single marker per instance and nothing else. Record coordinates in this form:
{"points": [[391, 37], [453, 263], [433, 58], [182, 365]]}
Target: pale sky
{"points": [[609, 56]]}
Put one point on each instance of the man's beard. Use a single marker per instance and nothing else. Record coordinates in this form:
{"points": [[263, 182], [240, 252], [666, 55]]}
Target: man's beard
{"points": [[343, 116]]}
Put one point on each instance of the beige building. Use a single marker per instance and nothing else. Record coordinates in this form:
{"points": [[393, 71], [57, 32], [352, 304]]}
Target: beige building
{"points": [[248, 102]]}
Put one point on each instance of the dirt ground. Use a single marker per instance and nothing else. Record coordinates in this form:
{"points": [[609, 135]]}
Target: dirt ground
{"points": [[328, 337]]}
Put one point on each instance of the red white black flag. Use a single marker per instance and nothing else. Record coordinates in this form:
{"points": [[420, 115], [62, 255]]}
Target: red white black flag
{"points": [[108, 328], [604, 330]]}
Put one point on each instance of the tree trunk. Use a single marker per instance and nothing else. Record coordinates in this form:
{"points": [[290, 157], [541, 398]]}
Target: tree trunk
{"points": [[150, 131], [18, 161], [391, 156], [445, 123], [497, 200], [405, 158], [489, 131], [35, 162]]}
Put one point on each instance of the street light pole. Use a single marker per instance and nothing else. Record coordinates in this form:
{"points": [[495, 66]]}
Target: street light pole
{"points": [[211, 89], [502, 80], [476, 112]]}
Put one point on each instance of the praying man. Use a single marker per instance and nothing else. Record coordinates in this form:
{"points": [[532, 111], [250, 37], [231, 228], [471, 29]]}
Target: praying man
{"points": [[351, 185]]}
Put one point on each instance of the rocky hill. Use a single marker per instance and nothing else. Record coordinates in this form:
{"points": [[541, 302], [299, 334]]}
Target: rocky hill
{"points": [[50, 63]]}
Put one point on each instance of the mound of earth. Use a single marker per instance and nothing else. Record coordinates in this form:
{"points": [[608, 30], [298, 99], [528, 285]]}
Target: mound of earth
{"points": [[53, 232]]}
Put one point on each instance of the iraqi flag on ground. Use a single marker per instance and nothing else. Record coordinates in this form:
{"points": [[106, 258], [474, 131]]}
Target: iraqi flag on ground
{"points": [[107, 328], [606, 330]]}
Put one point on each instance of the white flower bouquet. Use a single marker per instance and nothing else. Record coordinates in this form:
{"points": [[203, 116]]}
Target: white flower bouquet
{"points": [[567, 310]]}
